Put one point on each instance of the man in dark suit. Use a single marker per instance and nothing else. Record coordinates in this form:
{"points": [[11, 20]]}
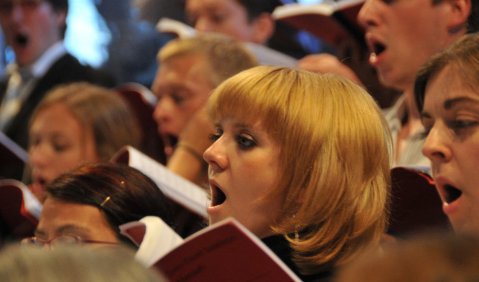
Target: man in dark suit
{"points": [[34, 29]]}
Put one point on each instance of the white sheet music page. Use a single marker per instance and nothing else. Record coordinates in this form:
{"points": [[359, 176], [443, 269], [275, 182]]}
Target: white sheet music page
{"points": [[173, 186]]}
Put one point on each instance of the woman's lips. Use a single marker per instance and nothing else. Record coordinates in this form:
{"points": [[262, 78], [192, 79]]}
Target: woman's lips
{"points": [[450, 194], [376, 48]]}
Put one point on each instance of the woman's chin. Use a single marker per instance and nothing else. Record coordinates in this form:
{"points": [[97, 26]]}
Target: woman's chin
{"points": [[468, 227], [217, 214]]}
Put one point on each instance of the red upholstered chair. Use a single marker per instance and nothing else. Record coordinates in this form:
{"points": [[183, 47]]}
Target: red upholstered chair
{"points": [[12, 158], [19, 211], [142, 102], [415, 204]]}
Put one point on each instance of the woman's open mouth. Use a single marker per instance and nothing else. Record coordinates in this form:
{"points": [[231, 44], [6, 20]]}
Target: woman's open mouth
{"points": [[376, 48], [21, 39], [218, 197], [451, 193]]}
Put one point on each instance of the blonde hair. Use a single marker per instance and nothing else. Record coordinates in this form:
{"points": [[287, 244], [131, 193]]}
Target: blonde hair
{"points": [[224, 56], [334, 157], [97, 109]]}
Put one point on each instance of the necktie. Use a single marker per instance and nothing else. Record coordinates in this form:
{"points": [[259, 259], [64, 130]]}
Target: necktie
{"points": [[15, 95]]}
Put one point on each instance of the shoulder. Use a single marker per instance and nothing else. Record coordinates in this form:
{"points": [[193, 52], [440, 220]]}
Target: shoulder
{"points": [[68, 69], [280, 246]]}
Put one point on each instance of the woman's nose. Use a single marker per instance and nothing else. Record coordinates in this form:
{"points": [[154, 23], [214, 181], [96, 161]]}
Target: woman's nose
{"points": [[366, 15], [436, 146], [215, 156], [37, 155]]}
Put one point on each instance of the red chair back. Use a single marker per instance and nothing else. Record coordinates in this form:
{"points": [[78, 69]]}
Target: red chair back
{"points": [[415, 204], [141, 101]]}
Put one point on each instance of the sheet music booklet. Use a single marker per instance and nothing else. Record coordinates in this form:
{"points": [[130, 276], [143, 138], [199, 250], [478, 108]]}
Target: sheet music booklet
{"points": [[225, 251]]}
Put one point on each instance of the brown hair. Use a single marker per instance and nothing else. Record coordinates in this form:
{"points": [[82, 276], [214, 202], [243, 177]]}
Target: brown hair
{"points": [[463, 56], [100, 110], [122, 193]]}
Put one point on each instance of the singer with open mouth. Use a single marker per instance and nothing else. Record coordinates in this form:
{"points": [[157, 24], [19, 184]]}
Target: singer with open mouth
{"points": [[301, 159], [35, 29], [447, 95]]}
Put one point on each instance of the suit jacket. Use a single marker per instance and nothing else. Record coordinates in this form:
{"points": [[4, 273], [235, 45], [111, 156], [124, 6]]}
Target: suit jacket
{"points": [[65, 70]]}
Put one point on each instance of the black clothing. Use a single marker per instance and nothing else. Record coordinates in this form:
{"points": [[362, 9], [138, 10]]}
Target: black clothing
{"points": [[280, 246]]}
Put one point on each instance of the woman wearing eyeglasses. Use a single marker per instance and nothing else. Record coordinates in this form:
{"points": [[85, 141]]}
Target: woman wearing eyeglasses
{"points": [[88, 204]]}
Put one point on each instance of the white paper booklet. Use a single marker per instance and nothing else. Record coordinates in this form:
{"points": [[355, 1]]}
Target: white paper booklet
{"points": [[326, 8], [13, 191], [16, 150], [333, 21], [175, 187], [153, 237], [178, 28]]}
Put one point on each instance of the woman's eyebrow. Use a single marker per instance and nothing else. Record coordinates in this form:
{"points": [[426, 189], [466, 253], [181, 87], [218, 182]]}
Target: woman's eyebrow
{"points": [[451, 103]]}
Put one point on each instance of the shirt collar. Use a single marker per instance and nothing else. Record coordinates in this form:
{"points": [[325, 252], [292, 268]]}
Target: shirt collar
{"points": [[46, 60]]}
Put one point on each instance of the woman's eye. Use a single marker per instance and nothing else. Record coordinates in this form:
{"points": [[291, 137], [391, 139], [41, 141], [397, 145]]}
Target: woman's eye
{"points": [[215, 136], [425, 132], [217, 18], [59, 147], [245, 142], [34, 142], [191, 19], [388, 2], [178, 99], [458, 125]]}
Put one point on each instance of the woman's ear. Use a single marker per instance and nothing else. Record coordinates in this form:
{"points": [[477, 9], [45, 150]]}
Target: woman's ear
{"points": [[264, 26], [459, 14]]}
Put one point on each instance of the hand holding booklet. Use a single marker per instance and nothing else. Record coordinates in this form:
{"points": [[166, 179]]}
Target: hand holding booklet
{"points": [[225, 251]]}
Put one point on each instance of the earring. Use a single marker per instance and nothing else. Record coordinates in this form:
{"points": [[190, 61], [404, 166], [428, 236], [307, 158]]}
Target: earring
{"points": [[296, 233]]}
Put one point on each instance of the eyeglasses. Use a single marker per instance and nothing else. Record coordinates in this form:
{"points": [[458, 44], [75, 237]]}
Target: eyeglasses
{"points": [[61, 240], [7, 6]]}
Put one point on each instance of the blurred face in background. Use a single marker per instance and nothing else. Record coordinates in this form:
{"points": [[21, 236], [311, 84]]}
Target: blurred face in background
{"points": [[451, 118], [60, 218], [403, 34], [182, 87], [30, 27], [227, 17], [58, 143]]}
